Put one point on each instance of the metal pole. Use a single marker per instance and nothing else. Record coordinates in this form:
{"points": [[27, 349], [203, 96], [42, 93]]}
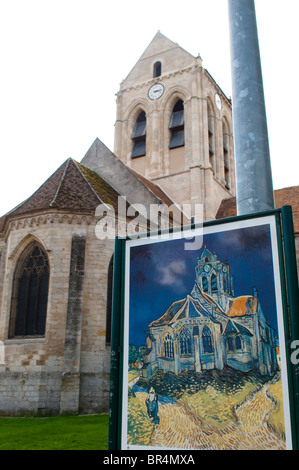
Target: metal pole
{"points": [[254, 187]]}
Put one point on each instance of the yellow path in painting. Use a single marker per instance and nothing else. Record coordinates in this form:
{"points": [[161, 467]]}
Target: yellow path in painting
{"points": [[179, 429]]}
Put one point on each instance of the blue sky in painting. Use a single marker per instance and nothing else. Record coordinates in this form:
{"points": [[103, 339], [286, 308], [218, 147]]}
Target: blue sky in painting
{"points": [[161, 273]]}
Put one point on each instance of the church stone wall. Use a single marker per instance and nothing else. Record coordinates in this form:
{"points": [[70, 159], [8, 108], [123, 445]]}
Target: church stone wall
{"points": [[68, 369]]}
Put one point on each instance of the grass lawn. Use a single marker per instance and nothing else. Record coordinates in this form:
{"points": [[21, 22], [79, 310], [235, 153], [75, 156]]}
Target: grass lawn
{"points": [[56, 433]]}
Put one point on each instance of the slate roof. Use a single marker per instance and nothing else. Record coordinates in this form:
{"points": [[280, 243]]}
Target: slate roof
{"points": [[157, 190], [234, 327], [71, 187], [196, 305], [283, 197], [205, 300], [169, 314], [191, 309]]}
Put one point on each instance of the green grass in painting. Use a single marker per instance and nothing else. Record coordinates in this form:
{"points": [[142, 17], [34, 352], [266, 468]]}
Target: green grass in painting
{"points": [[55, 433]]}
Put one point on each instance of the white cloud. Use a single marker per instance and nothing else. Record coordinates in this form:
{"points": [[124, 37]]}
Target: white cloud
{"points": [[171, 275]]}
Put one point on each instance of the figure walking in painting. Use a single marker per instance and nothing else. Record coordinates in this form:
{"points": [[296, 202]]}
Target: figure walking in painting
{"points": [[152, 406]]}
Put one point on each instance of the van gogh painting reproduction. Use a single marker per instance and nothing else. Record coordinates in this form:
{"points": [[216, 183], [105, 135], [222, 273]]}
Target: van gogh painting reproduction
{"points": [[204, 344]]}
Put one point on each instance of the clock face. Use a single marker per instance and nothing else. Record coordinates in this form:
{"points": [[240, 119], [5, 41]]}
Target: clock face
{"points": [[156, 91], [218, 101], [207, 268], [224, 269]]}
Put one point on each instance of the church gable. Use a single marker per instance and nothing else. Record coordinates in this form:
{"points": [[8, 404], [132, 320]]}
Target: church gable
{"points": [[236, 328], [136, 188], [190, 309], [161, 49]]}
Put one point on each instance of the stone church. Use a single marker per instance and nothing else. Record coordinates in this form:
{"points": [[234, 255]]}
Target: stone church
{"points": [[173, 144], [211, 328]]}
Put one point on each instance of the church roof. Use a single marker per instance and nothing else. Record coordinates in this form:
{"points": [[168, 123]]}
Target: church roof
{"points": [[100, 178], [234, 327], [189, 307], [160, 48], [159, 44], [157, 190], [205, 300], [169, 314], [285, 196], [243, 305], [126, 181], [71, 187]]}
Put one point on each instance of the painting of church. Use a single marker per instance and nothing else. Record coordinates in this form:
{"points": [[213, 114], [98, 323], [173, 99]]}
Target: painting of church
{"points": [[211, 329]]}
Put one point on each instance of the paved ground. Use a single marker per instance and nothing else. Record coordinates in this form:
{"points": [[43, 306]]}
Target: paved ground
{"points": [[179, 429]]}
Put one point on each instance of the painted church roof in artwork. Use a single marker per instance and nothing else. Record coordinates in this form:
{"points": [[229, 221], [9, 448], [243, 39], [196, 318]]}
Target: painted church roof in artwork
{"points": [[243, 305], [205, 300], [235, 327], [166, 318], [189, 307]]}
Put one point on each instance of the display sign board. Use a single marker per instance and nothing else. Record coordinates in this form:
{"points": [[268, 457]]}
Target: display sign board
{"points": [[203, 325]]}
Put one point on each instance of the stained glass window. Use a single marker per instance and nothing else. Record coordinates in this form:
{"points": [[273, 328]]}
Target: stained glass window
{"points": [[205, 284], [207, 340], [168, 347], [214, 286], [238, 343], [185, 342], [30, 294]]}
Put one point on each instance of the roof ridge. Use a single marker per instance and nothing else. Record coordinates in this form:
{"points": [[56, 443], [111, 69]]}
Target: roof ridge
{"points": [[60, 184], [89, 184]]}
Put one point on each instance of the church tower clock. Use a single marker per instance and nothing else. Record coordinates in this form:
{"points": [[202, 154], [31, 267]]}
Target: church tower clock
{"points": [[174, 126], [214, 278]]}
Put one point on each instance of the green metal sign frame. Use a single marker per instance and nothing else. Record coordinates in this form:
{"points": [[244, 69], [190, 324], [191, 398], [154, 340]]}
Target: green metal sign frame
{"points": [[290, 303]]}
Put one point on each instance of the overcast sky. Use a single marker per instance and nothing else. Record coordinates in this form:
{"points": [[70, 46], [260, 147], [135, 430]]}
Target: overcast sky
{"points": [[62, 62]]}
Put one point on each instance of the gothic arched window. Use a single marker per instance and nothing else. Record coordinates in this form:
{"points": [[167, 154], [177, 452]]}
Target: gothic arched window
{"points": [[230, 343], [214, 286], [185, 342], [238, 342], [168, 347], [30, 294], [176, 126], [205, 284], [207, 340], [139, 136]]}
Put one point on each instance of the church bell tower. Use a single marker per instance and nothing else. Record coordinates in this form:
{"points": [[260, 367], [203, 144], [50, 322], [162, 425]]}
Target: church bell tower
{"points": [[174, 126]]}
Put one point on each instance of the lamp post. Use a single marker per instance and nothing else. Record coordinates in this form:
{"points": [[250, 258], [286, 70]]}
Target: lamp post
{"points": [[254, 187]]}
